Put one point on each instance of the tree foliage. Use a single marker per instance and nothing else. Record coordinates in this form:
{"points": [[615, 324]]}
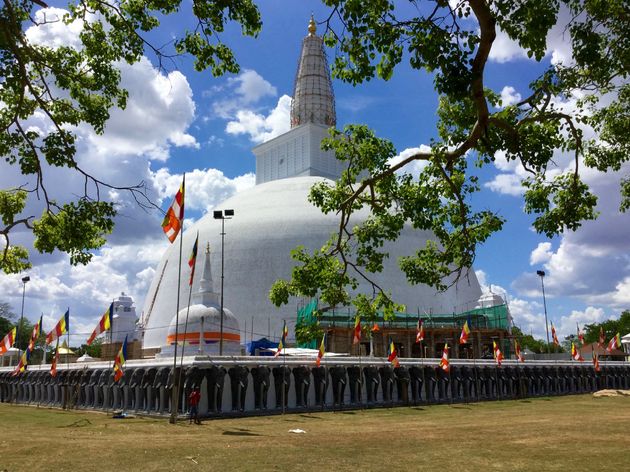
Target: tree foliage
{"points": [[71, 86], [609, 327], [453, 40]]}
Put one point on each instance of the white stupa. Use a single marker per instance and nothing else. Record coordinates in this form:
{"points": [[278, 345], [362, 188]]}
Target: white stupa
{"points": [[275, 216], [199, 326]]}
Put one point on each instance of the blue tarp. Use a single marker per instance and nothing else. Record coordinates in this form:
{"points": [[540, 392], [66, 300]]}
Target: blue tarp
{"points": [[260, 344]]}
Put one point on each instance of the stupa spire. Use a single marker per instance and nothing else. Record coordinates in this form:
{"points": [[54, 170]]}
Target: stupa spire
{"points": [[206, 294], [313, 98]]}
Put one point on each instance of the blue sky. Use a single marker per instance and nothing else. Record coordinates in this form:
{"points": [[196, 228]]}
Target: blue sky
{"points": [[179, 120]]}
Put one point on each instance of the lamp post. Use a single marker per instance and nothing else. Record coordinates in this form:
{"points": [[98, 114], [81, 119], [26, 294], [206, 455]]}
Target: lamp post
{"points": [[25, 279], [222, 215], [541, 274]]}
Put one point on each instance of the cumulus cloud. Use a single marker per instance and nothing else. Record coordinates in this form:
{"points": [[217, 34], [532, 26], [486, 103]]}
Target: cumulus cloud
{"points": [[244, 92], [260, 127], [568, 323], [541, 254], [414, 168], [509, 96]]}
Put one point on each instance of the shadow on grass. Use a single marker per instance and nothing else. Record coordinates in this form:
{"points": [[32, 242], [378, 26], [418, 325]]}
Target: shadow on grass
{"points": [[311, 417], [240, 432], [77, 424], [461, 407], [418, 408]]}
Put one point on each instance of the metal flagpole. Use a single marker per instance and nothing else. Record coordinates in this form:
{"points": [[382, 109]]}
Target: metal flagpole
{"points": [[175, 390], [284, 368]]}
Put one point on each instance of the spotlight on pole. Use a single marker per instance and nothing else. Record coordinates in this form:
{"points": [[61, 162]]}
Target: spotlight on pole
{"points": [[25, 279], [541, 274], [222, 215]]}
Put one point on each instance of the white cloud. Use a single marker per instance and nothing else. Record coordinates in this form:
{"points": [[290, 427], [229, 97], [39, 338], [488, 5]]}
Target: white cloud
{"points": [[505, 49], [415, 167], [259, 127], [205, 188], [568, 323], [541, 254], [52, 31], [252, 87], [509, 96]]}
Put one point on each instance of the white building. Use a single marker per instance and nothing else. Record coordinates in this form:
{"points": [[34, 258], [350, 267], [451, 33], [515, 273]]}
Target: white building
{"points": [[275, 216]]}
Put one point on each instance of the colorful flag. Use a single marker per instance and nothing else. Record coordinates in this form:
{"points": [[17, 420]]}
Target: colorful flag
{"points": [[356, 337], [7, 341], [21, 367], [580, 335], [602, 339], [121, 357], [192, 260], [614, 343], [419, 332], [322, 350], [596, 362], [498, 355], [517, 351], [104, 324], [375, 328], [553, 335], [35, 334], [62, 327], [463, 337], [175, 214], [444, 364], [575, 353], [283, 340], [392, 355], [53, 365]]}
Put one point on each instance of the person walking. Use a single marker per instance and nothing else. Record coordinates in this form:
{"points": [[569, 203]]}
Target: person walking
{"points": [[193, 401]]}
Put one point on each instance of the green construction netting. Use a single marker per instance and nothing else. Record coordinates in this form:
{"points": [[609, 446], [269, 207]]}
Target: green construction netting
{"points": [[494, 317]]}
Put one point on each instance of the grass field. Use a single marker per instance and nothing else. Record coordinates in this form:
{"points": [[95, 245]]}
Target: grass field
{"points": [[577, 433]]}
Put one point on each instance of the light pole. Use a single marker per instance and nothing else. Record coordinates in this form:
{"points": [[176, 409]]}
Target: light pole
{"points": [[541, 273], [222, 215], [25, 279]]}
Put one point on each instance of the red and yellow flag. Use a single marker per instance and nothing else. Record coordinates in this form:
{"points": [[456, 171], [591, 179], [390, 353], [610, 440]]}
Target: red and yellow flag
{"points": [[356, 336], [444, 364], [463, 337], [53, 365], [419, 332], [103, 325], [192, 260], [517, 351], [62, 327], [322, 351], [575, 353], [35, 334], [553, 335], [498, 355], [121, 357], [174, 218], [392, 355], [283, 339], [614, 343], [580, 335], [7, 341]]}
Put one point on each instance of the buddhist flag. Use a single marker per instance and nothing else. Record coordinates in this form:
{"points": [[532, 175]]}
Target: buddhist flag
{"points": [[444, 364], [103, 325], [575, 353], [322, 350], [614, 343], [192, 260], [356, 337], [602, 339], [121, 357], [62, 327], [7, 341], [553, 335], [517, 351], [175, 214], [393, 354], [35, 334], [283, 340], [21, 367], [596, 362], [53, 365], [580, 335], [419, 332], [463, 337], [498, 355]]}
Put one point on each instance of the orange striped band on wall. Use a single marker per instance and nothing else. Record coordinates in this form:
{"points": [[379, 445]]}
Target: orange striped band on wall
{"points": [[193, 338]]}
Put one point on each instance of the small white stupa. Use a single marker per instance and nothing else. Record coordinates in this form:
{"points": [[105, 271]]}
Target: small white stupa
{"points": [[199, 332]]}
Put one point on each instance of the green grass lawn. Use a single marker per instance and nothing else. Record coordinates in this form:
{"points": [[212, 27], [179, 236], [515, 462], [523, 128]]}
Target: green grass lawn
{"points": [[577, 433]]}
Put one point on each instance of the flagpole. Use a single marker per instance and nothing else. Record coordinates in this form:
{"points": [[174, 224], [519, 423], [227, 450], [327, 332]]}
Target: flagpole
{"points": [[284, 368], [175, 391], [181, 362], [44, 347]]}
